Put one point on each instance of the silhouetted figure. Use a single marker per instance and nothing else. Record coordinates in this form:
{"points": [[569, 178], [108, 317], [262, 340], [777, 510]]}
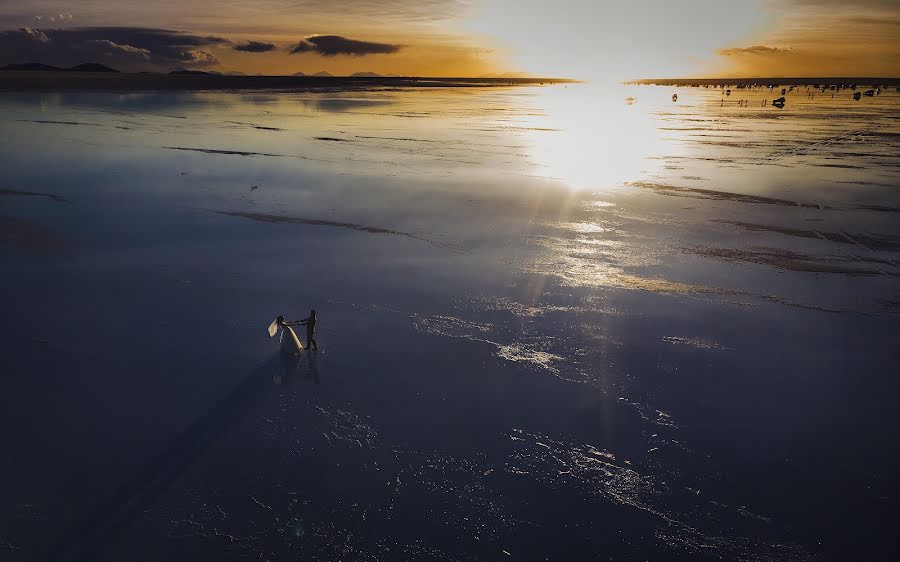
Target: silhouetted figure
{"points": [[310, 323]]}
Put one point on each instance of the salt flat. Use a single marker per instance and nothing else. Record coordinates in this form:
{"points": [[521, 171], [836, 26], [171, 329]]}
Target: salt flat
{"points": [[553, 324]]}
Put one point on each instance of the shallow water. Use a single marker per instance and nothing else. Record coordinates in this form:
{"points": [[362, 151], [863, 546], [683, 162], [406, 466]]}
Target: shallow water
{"points": [[553, 325]]}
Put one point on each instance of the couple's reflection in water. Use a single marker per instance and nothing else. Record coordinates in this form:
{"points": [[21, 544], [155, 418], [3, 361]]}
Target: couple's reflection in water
{"points": [[294, 366]]}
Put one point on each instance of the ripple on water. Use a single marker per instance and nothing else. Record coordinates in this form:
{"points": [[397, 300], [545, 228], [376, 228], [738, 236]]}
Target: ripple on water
{"points": [[516, 352], [599, 475], [519, 354], [695, 342]]}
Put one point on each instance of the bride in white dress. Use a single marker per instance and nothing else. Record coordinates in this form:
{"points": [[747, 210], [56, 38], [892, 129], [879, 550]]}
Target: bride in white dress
{"points": [[289, 342]]}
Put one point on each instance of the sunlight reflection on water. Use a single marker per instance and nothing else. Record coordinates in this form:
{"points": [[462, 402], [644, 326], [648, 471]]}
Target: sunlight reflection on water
{"points": [[589, 138]]}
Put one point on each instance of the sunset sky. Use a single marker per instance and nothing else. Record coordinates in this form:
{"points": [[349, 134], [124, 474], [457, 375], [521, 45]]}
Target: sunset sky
{"points": [[584, 39]]}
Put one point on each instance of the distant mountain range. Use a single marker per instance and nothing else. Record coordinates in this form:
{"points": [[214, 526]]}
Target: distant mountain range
{"points": [[507, 75], [354, 75], [97, 67], [322, 73], [184, 71], [36, 66]]}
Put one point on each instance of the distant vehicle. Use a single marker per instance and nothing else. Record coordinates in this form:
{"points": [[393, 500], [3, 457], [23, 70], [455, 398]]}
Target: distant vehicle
{"points": [[783, 91], [727, 92], [778, 102], [674, 97], [856, 96], [869, 93]]}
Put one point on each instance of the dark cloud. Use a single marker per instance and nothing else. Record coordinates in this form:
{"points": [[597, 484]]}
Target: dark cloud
{"points": [[113, 47], [331, 45], [254, 47], [124, 48], [754, 50]]}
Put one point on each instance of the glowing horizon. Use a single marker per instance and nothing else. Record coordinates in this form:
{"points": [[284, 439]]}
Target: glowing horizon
{"points": [[577, 39]]}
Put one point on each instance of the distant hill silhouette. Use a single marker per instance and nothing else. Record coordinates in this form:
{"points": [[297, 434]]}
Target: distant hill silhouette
{"points": [[92, 67], [365, 75], [298, 74], [36, 66], [185, 71], [323, 73], [30, 66]]}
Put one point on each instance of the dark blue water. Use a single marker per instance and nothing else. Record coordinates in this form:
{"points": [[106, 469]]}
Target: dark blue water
{"points": [[552, 326]]}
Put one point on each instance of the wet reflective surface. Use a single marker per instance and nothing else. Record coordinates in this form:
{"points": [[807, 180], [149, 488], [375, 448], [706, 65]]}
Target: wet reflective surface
{"points": [[553, 325]]}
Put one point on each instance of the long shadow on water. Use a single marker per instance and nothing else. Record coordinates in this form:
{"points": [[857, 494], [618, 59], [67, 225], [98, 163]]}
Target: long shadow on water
{"points": [[103, 524]]}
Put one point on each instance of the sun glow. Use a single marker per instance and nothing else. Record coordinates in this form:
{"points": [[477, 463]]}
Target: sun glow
{"points": [[614, 41]]}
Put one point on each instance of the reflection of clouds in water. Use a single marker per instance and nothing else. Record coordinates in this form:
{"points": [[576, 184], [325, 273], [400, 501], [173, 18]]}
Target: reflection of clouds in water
{"points": [[195, 105], [136, 102], [339, 104]]}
